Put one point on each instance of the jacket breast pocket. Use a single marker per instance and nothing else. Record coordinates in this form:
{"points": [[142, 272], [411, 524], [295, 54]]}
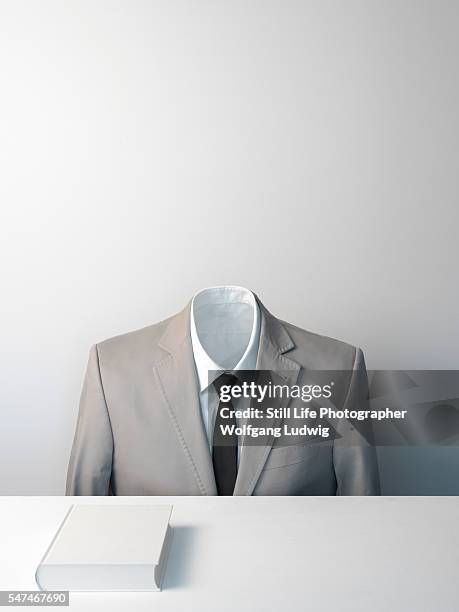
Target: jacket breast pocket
{"points": [[282, 456]]}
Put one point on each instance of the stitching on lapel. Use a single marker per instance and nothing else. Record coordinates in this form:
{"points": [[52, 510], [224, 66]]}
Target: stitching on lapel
{"points": [[179, 432]]}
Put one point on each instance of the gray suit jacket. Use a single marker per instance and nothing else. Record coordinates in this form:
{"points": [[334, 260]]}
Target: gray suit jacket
{"points": [[140, 431]]}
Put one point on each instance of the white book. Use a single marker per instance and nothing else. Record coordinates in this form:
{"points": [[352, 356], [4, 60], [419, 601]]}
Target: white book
{"points": [[108, 548]]}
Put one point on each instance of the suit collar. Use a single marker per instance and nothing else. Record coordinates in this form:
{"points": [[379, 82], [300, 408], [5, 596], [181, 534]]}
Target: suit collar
{"points": [[177, 330], [273, 334]]}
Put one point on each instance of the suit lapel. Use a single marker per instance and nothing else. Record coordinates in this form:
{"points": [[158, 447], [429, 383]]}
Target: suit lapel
{"points": [[274, 341], [177, 379]]}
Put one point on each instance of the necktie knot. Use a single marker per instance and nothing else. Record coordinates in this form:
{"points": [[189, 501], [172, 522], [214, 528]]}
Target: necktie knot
{"points": [[226, 379]]}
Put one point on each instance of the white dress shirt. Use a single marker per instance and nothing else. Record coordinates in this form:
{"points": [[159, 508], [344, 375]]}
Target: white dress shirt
{"points": [[225, 334]]}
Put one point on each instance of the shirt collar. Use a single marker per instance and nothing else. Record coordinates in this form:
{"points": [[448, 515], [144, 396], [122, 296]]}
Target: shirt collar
{"points": [[228, 294]]}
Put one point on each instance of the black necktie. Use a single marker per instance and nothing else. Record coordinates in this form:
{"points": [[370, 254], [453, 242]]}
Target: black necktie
{"points": [[224, 446]]}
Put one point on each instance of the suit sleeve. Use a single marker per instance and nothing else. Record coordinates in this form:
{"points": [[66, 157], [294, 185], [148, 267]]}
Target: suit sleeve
{"points": [[354, 456], [90, 463]]}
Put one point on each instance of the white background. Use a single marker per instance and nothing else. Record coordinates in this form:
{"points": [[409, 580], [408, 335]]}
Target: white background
{"points": [[307, 150]]}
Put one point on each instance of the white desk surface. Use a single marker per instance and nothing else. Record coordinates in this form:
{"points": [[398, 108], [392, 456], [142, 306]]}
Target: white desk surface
{"points": [[271, 553]]}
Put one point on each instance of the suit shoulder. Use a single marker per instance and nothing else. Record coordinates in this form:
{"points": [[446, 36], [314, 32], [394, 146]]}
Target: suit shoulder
{"points": [[134, 342], [319, 351]]}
